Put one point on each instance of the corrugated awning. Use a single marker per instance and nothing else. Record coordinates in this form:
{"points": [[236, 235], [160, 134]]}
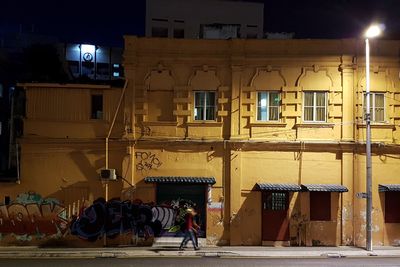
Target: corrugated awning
{"points": [[278, 187], [389, 187], [179, 180], [324, 188]]}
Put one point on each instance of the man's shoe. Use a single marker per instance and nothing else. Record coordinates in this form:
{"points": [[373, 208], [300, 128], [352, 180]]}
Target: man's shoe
{"points": [[196, 248], [181, 248]]}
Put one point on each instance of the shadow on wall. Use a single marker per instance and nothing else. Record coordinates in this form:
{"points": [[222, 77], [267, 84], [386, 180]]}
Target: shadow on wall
{"points": [[246, 224]]}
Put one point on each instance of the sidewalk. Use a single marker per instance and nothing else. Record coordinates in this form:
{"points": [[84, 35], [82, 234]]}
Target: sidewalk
{"points": [[135, 252]]}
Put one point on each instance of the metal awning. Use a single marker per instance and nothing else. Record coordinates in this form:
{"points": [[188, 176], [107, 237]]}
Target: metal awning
{"points": [[389, 187], [278, 187], [179, 180], [324, 188]]}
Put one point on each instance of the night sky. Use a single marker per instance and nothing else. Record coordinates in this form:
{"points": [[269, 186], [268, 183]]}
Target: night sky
{"points": [[105, 22]]}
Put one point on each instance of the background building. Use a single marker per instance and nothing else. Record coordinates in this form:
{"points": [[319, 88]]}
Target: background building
{"points": [[92, 62], [210, 19], [26, 56]]}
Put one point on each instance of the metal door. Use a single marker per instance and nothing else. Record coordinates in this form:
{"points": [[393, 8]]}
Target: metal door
{"points": [[275, 224]]}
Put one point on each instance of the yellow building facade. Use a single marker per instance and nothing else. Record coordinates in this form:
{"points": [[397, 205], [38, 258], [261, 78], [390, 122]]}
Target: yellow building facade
{"points": [[265, 138]]}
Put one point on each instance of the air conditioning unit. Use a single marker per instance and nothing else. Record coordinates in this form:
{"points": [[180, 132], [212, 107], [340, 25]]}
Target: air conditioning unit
{"points": [[108, 174]]}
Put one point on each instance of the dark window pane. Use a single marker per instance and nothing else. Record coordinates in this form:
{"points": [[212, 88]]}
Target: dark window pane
{"points": [[73, 66], [320, 206], [199, 114], [210, 113], [392, 214], [87, 68], [159, 32], [210, 99], [103, 69], [97, 107], [179, 33]]}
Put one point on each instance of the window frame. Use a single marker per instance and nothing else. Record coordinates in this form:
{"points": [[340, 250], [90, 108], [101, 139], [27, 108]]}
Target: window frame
{"points": [[205, 106], [314, 106], [372, 106], [268, 93]]}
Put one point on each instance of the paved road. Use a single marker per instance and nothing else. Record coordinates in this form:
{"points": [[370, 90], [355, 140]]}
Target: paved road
{"points": [[205, 261]]}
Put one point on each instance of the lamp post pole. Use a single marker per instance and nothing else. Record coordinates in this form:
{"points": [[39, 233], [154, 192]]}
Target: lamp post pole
{"points": [[372, 31], [368, 152]]}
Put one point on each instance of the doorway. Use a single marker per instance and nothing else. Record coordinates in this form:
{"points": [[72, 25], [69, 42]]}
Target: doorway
{"points": [[275, 222]]}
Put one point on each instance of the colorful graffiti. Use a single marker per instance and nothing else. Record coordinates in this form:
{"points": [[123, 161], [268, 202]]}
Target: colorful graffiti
{"points": [[116, 217], [175, 217], [31, 215], [33, 218]]}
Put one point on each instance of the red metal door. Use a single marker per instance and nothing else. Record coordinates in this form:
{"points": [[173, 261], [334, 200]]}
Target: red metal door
{"points": [[275, 224]]}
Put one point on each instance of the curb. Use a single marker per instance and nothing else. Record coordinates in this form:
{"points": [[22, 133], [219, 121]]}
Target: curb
{"points": [[31, 252]]}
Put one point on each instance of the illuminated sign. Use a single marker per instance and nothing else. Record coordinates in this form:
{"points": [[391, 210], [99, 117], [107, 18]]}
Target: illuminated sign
{"points": [[87, 56]]}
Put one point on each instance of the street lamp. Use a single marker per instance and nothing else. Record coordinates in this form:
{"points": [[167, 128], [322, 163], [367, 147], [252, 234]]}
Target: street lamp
{"points": [[372, 31]]}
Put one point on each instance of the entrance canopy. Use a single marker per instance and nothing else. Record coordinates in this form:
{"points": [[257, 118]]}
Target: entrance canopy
{"points": [[278, 187], [324, 188], [389, 187], [179, 180]]}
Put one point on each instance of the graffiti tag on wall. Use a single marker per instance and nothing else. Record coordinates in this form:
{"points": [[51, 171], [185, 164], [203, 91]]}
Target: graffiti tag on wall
{"points": [[30, 217], [116, 217], [113, 218], [30, 214], [147, 161]]}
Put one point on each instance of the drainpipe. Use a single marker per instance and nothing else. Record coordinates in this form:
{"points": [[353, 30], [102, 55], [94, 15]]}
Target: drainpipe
{"points": [[223, 183]]}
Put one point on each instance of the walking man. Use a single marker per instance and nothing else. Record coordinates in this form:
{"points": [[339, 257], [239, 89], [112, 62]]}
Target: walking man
{"points": [[191, 229]]}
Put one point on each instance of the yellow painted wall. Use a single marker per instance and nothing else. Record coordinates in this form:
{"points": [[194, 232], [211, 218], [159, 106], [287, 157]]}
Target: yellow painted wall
{"points": [[157, 117]]}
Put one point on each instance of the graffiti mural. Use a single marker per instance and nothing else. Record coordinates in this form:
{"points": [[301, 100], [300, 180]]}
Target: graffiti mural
{"points": [[32, 216], [116, 217], [147, 161], [172, 213]]}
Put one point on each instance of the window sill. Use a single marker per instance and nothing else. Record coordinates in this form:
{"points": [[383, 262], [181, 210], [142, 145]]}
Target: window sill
{"points": [[314, 125], [268, 124], [204, 124], [378, 125]]}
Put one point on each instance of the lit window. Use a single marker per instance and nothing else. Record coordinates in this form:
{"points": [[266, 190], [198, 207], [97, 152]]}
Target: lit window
{"points": [[320, 206], [377, 106], [315, 106], [97, 107], [204, 108], [268, 106], [115, 74], [116, 65]]}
